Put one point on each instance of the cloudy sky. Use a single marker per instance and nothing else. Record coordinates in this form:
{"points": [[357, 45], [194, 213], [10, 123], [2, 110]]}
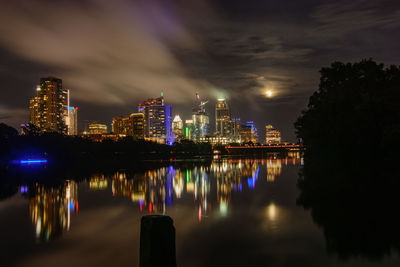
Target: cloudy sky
{"points": [[113, 54]]}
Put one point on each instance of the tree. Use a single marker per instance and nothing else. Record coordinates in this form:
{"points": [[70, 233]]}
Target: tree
{"points": [[8, 136], [7, 132], [351, 131], [355, 108]]}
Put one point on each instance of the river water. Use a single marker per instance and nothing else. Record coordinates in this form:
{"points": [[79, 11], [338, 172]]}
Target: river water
{"points": [[228, 212]]}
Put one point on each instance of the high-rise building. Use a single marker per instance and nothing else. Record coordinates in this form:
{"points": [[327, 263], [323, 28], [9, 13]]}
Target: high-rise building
{"points": [[47, 109], [201, 121], [34, 117], [188, 129], [71, 117], [137, 125], [223, 125], [71, 120], [157, 120], [177, 126], [272, 135], [245, 133], [97, 128], [201, 124], [132, 125], [236, 130], [248, 132]]}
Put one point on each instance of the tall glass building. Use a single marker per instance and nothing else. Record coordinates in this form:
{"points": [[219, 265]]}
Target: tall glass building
{"points": [[157, 120], [47, 109], [223, 124], [201, 121], [71, 120]]}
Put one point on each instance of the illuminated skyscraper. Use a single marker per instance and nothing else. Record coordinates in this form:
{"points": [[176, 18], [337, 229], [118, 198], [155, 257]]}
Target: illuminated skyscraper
{"points": [[47, 109], [34, 117], [177, 126], [157, 120], [272, 135], [248, 132], [235, 130], [71, 117], [71, 120], [132, 125], [201, 121], [223, 125]]}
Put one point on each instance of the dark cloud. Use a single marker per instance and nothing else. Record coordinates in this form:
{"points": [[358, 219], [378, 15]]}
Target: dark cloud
{"points": [[114, 54]]}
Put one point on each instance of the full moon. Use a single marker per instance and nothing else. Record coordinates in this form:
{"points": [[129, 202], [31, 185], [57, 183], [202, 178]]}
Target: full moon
{"points": [[268, 93]]}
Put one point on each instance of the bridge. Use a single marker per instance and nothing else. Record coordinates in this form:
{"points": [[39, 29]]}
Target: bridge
{"points": [[263, 149]]}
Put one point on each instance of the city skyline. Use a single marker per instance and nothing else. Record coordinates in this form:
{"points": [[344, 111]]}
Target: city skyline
{"points": [[51, 111], [156, 46]]}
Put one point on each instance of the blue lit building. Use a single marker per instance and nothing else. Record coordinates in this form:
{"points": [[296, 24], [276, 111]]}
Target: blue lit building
{"points": [[157, 120]]}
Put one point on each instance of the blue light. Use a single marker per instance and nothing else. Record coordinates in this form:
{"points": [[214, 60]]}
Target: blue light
{"points": [[251, 182], [33, 161], [71, 206], [24, 189], [70, 108]]}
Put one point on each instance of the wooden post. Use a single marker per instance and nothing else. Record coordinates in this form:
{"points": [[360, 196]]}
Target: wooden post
{"points": [[157, 241]]}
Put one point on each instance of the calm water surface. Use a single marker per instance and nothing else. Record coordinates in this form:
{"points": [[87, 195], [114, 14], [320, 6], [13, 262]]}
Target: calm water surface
{"points": [[228, 213]]}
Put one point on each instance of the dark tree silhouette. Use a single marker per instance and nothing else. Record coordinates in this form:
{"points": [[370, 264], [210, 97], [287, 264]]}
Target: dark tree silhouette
{"points": [[356, 108], [351, 131]]}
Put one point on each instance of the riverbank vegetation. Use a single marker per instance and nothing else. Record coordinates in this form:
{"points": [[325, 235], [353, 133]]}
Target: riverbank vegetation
{"points": [[349, 182], [61, 149]]}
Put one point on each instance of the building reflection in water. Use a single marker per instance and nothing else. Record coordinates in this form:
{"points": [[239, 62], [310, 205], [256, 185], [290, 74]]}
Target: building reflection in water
{"points": [[51, 209], [156, 189], [98, 182]]}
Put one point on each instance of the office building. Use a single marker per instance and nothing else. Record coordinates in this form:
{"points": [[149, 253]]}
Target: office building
{"points": [[223, 125], [157, 120], [132, 125], [34, 114], [177, 126], [47, 108], [71, 120], [272, 135], [188, 129], [248, 133], [71, 117], [235, 130], [201, 121], [97, 128]]}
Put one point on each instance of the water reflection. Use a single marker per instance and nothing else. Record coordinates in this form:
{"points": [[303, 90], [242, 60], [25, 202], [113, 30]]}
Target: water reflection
{"points": [[98, 182], [51, 208], [155, 190], [354, 202]]}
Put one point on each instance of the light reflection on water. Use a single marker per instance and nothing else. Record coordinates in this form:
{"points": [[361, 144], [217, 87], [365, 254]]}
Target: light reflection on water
{"points": [[51, 209], [154, 191], [228, 212]]}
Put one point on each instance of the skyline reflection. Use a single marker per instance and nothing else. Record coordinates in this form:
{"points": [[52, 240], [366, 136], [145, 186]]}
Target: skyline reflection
{"points": [[211, 187], [51, 209]]}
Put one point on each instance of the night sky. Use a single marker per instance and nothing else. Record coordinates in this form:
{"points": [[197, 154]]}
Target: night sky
{"points": [[114, 54]]}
